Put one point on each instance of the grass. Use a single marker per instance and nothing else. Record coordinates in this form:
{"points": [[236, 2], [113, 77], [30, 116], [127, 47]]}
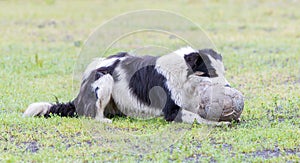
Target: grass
{"points": [[259, 41]]}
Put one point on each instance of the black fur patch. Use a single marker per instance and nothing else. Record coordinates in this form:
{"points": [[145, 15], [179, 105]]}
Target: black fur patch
{"points": [[98, 75], [200, 62], [103, 71], [171, 109], [212, 53], [106, 70], [143, 79], [96, 92], [63, 109]]}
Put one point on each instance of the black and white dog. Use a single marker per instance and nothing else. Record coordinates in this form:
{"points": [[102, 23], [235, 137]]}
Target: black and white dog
{"points": [[147, 86]]}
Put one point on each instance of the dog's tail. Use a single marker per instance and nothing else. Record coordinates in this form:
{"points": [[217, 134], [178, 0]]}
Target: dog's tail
{"points": [[47, 109]]}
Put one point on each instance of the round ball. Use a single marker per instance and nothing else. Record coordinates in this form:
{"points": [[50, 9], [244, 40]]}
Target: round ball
{"points": [[219, 103]]}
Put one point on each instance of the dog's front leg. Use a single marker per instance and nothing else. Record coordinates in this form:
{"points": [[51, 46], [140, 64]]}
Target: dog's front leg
{"points": [[103, 89], [189, 117]]}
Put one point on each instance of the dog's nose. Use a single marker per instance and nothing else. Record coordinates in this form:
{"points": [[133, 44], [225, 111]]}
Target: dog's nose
{"points": [[227, 85]]}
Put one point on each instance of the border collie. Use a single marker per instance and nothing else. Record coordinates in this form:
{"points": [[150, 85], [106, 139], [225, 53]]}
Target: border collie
{"points": [[139, 86]]}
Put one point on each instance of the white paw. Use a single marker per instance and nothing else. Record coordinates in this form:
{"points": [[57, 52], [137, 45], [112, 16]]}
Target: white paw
{"points": [[37, 109], [223, 124], [104, 120]]}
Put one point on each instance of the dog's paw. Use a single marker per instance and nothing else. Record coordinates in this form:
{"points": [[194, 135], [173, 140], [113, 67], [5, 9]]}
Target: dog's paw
{"points": [[221, 124], [103, 120], [37, 109]]}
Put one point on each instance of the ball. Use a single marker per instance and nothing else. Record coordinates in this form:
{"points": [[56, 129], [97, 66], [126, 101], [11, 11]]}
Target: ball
{"points": [[220, 103]]}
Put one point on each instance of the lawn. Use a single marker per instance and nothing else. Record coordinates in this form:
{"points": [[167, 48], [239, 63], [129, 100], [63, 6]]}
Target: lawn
{"points": [[39, 46]]}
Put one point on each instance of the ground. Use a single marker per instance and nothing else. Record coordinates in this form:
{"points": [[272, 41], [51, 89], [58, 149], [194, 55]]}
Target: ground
{"points": [[259, 41]]}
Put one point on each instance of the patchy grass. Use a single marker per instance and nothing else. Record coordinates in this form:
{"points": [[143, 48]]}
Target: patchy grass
{"points": [[259, 41]]}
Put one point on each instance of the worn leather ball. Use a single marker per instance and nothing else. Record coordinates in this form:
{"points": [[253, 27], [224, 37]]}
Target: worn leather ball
{"points": [[221, 103], [213, 101]]}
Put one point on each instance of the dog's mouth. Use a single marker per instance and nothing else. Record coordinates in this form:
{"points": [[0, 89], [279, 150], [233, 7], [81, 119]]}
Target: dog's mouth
{"points": [[202, 74], [199, 73]]}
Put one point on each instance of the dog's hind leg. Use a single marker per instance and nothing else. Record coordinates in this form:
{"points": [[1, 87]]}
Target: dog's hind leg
{"points": [[103, 87]]}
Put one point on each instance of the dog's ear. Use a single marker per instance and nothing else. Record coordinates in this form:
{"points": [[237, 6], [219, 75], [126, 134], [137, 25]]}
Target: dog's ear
{"points": [[200, 62], [196, 64], [212, 53], [193, 59]]}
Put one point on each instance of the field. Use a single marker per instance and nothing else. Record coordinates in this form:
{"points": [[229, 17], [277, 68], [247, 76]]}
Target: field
{"points": [[259, 41]]}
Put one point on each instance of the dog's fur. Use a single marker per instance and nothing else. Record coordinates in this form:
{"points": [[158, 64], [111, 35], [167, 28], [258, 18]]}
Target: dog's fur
{"points": [[140, 87]]}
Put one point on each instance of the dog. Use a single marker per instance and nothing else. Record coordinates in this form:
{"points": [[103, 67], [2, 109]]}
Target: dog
{"points": [[139, 86]]}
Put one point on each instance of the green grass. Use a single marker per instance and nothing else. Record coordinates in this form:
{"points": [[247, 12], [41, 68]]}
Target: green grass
{"points": [[39, 44]]}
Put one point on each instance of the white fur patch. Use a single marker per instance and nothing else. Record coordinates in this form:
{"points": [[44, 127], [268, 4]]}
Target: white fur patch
{"points": [[174, 69], [38, 108], [185, 50], [105, 86], [192, 94], [218, 65], [99, 62], [127, 103], [104, 83], [189, 117]]}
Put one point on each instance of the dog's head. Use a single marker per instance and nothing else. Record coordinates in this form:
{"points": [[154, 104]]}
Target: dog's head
{"points": [[208, 93], [205, 63]]}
